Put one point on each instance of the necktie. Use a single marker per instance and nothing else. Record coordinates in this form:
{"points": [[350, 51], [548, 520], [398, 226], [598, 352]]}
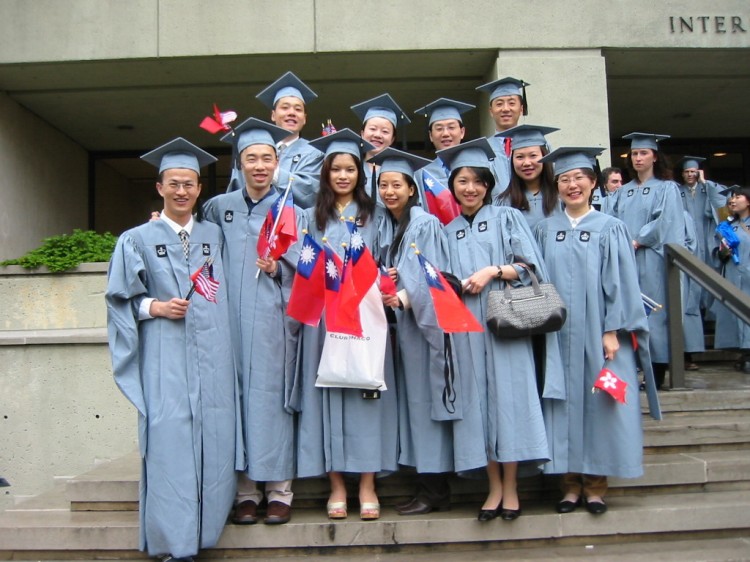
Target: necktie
{"points": [[507, 146], [185, 239], [281, 148]]}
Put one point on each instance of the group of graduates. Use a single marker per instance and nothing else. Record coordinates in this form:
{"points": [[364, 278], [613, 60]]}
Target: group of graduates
{"points": [[224, 380]]}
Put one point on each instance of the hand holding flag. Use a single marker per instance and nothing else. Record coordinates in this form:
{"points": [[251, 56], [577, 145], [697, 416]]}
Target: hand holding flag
{"points": [[387, 286], [219, 121], [452, 314], [204, 282], [279, 231], [611, 384]]}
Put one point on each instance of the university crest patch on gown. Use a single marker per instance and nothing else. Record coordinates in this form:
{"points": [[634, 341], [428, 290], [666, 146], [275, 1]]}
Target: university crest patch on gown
{"points": [[161, 251], [228, 216], [585, 236], [560, 236], [206, 249]]}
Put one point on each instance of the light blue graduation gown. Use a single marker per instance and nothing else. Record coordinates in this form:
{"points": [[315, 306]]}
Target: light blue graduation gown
{"points": [[263, 337], [601, 201], [337, 429], [500, 166], [535, 214], [593, 269], [653, 214], [692, 322], [504, 369], [731, 332], [299, 160], [440, 423], [181, 377]]}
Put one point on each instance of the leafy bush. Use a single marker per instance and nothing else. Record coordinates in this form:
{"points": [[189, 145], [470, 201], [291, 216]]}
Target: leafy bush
{"points": [[60, 253]]}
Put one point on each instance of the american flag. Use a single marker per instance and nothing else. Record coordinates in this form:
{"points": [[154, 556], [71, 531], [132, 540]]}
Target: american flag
{"points": [[204, 282]]}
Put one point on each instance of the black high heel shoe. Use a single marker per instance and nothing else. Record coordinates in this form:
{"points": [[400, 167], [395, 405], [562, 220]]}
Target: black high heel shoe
{"points": [[509, 514], [489, 514]]}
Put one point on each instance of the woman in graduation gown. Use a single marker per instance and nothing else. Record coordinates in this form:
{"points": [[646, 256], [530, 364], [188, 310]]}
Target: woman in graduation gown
{"points": [[381, 116], [486, 245], [731, 332], [650, 207], [531, 189], [339, 431], [592, 265], [438, 415], [172, 358]]}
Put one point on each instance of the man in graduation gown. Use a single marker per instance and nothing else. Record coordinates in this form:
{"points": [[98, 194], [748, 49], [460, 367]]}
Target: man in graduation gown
{"points": [[287, 98], [263, 338], [507, 104], [172, 359]]}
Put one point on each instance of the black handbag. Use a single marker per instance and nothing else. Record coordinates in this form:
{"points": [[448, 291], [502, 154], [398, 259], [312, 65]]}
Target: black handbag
{"points": [[525, 311]]}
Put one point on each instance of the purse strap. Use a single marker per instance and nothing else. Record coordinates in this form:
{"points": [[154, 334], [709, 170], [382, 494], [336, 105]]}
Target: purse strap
{"points": [[534, 283]]}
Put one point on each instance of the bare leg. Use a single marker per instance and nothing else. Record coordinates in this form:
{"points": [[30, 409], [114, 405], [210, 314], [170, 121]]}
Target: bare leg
{"points": [[495, 495], [510, 485], [338, 488]]}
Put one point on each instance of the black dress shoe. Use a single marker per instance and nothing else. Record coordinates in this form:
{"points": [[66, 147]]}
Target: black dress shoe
{"points": [[566, 506], [246, 513], [419, 506], [509, 514], [596, 508], [489, 514]]}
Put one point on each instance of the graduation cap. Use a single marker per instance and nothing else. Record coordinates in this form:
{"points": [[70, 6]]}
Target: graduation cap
{"points": [[345, 140], [507, 86], [473, 154], [524, 136], [569, 158], [382, 106], [690, 162], [736, 190], [287, 85], [444, 108], [644, 140], [394, 160], [254, 131], [178, 153]]}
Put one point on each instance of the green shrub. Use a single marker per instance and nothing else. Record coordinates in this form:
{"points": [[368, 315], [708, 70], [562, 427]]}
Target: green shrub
{"points": [[60, 253]]}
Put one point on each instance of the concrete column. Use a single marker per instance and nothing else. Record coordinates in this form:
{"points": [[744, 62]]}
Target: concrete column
{"points": [[568, 90]]}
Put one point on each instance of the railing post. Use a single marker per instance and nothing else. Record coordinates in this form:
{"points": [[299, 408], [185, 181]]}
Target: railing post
{"points": [[676, 335]]}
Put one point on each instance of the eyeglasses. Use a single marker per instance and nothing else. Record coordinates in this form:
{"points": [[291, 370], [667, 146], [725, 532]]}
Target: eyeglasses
{"points": [[566, 181], [186, 185]]}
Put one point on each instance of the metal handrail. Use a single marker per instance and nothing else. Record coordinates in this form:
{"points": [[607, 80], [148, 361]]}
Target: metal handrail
{"points": [[679, 260]]}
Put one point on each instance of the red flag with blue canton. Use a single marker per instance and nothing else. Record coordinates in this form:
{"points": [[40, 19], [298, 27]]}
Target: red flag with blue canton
{"points": [[452, 314], [611, 384], [308, 295], [387, 286], [440, 201], [339, 318], [276, 243], [219, 121], [204, 282], [360, 271]]}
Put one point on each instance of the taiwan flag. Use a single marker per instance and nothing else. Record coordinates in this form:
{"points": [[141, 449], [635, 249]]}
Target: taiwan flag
{"points": [[611, 384], [308, 289], [452, 314], [360, 271], [279, 230], [339, 318], [440, 201], [387, 286]]}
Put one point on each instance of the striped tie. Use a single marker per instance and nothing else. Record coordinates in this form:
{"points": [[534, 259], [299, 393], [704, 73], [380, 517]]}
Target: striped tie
{"points": [[185, 239]]}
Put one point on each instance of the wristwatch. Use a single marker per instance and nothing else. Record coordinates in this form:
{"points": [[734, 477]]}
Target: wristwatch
{"points": [[499, 271]]}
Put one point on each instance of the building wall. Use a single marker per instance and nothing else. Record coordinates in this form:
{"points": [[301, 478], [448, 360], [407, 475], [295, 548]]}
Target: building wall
{"points": [[43, 181]]}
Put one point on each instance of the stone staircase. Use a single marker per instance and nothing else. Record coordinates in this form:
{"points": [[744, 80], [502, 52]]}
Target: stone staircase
{"points": [[696, 487]]}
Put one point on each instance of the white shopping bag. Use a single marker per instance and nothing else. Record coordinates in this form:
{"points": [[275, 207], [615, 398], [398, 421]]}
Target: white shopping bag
{"points": [[351, 362]]}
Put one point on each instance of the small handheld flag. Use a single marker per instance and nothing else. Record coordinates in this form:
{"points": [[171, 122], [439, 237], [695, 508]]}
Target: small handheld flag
{"points": [[328, 128], [611, 384], [219, 121], [452, 314], [279, 231], [440, 201], [204, 282], [307, 299], [387, 286]]}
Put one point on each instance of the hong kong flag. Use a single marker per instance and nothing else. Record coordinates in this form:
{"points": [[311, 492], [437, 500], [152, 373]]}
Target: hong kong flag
{"points": [[452, 314], [611, 384], [339, 318], [308, 289], [440, 201], [279, 230]]}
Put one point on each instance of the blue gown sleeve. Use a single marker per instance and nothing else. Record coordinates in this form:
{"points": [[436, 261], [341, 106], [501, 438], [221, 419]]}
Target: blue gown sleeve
{"points": [[306, 175], [667, 224]]}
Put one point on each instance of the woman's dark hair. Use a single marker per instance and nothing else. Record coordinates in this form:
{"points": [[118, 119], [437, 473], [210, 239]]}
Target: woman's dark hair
{"points": [[483, 174], [403, 221], [516, 191], [662, 168], [325, 202]]}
